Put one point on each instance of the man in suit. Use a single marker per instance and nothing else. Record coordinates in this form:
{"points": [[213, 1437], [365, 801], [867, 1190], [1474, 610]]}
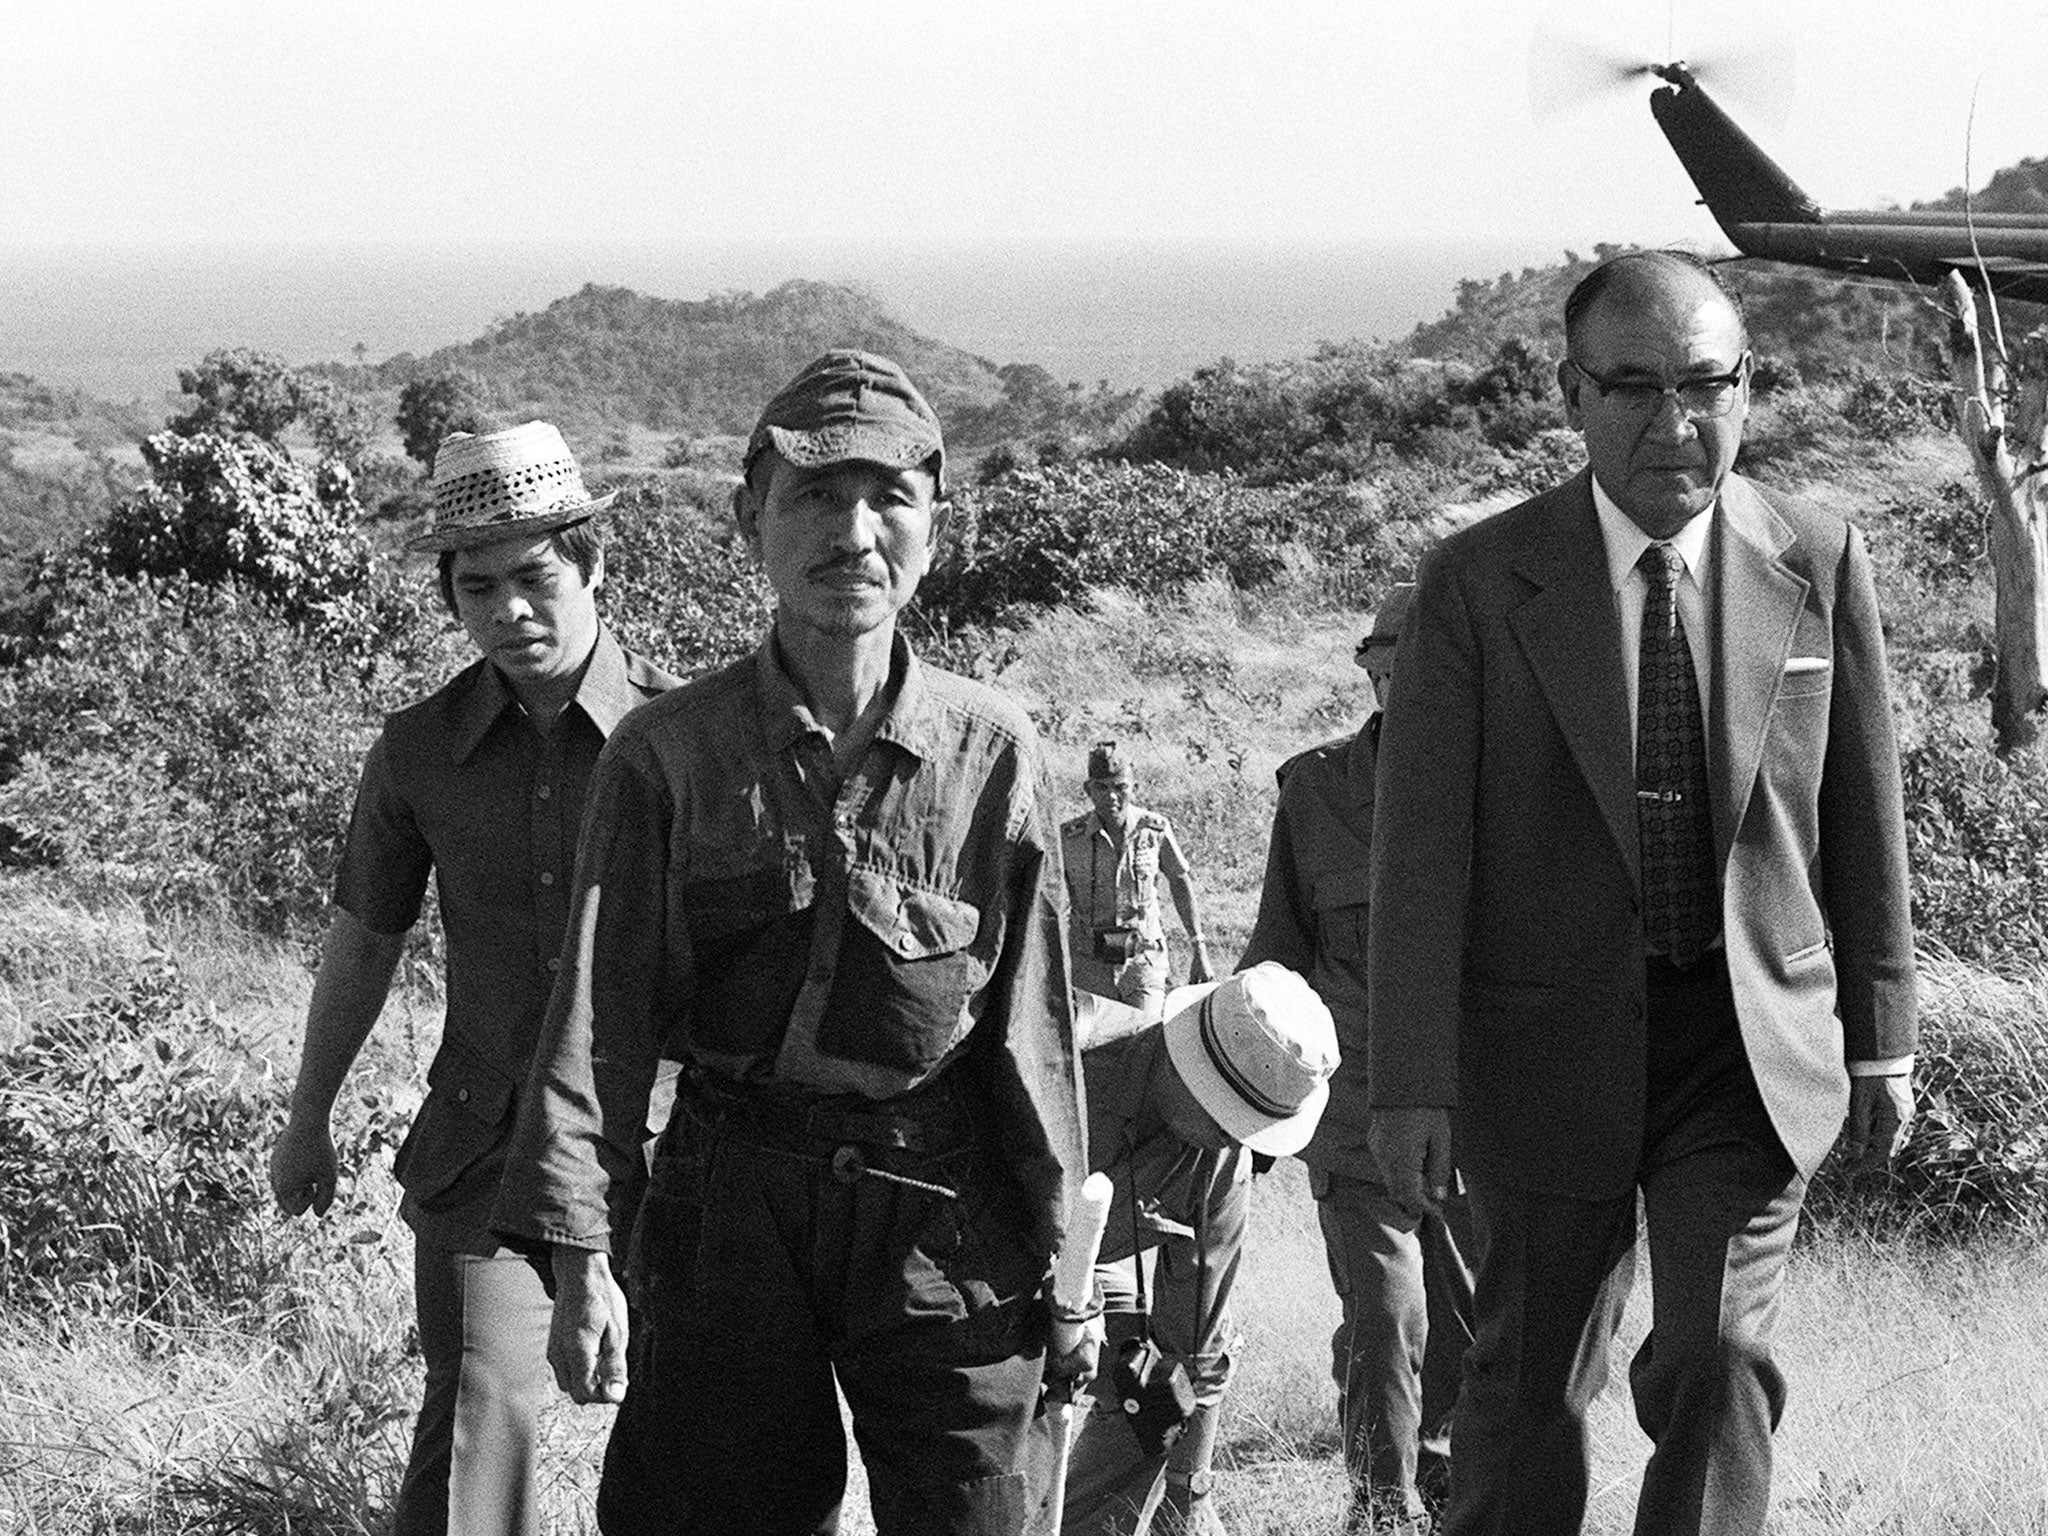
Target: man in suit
{"points": [[1639, 915]]}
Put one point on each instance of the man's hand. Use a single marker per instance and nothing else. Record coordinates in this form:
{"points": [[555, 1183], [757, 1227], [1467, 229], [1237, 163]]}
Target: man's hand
{"points": [[1413, 1149], [1880, 1112], [1199, 969], [587, 1339], [302, 1166], [1073, 1354]]}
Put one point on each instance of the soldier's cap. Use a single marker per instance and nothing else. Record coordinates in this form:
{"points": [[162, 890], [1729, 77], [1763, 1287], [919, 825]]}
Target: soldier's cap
{"points": [[849, 405], [1256, 1050], [1107, 764], [520, 483], [1386, 624]]}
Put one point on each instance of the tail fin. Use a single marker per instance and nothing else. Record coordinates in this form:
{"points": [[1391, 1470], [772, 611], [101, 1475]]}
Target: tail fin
{"points": [[1739, 183]]}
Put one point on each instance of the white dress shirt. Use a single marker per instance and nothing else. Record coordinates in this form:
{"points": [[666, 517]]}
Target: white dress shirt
{"points": [[1625, 545]]}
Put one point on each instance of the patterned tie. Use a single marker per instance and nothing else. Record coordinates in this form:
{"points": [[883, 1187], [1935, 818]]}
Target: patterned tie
{"points": [[1674, 821]]}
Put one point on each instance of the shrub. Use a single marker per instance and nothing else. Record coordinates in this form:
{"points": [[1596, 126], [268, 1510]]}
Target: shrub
{"points": [[1980, 869], [1948, 532], [132, 1138], [681, 587], [1345, 411], [1977, 1156], [240, 508], [1044, 536], [1889, 406], [185, 744]]}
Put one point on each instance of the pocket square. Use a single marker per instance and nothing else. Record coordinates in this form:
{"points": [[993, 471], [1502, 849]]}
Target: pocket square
{"points": [[1798, 664]]}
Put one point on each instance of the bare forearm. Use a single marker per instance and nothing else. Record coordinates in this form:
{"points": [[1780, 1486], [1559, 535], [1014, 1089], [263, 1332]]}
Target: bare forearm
{"points": [[354, 978]]}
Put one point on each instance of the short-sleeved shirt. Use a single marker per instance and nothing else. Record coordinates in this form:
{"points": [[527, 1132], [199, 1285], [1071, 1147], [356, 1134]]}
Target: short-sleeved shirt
{"points": [[1312, 918], [1118, 886], [461, 785], [776, 924]]}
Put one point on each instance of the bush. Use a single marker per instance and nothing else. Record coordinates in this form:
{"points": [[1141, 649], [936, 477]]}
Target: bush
{"points": [[1890, 406], [1980, 868], [1344, 411], [1948, 533], [132, 1139], [681, 587], [1977, 1156], [242, 509], [1044, 536], [186, 744]]}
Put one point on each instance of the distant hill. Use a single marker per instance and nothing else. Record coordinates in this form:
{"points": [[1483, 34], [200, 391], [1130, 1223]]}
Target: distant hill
{"points": [[608, 356], [2021, 188]]}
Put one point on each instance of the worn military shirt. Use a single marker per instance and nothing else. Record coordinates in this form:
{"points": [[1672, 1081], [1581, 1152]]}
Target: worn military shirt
{"points": [[742, 905], [462, 785], [1312, 915], [1118, 886]]}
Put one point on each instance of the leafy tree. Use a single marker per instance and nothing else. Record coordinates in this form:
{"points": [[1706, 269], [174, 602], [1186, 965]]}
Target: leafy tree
{"points": [[223, 508], [432, 407], [237, 390]]}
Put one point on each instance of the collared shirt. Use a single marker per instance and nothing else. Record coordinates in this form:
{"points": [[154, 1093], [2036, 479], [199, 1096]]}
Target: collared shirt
{"points": [[1116, 884], [461, 785], [1312, 918], [1625, 545], [774, 923]]}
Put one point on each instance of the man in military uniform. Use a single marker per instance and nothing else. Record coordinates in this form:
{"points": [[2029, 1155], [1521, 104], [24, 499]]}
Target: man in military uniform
{"points": [[1400, 1275], [1117, 856], [482, 787], [828, 878]]}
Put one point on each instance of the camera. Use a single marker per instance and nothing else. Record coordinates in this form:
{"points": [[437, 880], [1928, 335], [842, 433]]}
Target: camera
{"points": [[1157, 1398], [1116, 945]]}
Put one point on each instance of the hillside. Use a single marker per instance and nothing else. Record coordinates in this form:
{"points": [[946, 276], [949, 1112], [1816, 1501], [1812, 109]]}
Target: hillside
{"points": [[610, 355]]}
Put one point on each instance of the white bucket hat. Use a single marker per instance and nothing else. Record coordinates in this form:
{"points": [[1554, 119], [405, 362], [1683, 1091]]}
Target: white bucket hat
{"points": [[518, 483], [1256, 1050]]}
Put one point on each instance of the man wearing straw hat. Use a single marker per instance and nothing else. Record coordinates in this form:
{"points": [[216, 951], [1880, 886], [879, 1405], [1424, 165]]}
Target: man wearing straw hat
{"points": [[1401, 1276], [1176, 1112], [828, 878], [481, 785]]}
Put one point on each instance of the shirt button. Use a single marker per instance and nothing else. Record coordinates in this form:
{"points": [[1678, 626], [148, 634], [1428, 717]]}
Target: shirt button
{"points": [[547, 877], [554, 963], [462, 1095], [542, 791]]}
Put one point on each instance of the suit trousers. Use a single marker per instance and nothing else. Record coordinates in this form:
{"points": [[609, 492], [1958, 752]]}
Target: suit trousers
{"points": [[484, 1331], [1720, 1202], [1406, 1293]]}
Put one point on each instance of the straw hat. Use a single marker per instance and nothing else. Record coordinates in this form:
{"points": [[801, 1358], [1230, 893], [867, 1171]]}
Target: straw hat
{"points": [[518, 483], [1256, 1050]]}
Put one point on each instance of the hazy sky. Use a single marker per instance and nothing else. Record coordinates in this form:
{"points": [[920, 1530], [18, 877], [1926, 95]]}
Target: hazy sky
{"points": [[135, 121]]}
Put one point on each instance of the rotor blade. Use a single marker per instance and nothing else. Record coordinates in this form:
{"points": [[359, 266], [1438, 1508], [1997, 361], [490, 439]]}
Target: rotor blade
{"points": [[1566, 71], [1759, 77]]}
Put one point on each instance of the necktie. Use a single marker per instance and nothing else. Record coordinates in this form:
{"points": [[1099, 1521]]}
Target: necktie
{"points": [[1681, 910]]}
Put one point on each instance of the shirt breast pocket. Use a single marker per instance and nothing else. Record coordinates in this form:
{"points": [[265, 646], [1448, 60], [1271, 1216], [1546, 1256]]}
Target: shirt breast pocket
{"points": [[908, 967], [749, 947], [1341, 911]]}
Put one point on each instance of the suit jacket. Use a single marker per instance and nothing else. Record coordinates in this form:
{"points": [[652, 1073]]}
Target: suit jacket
{"points": [[1506, 952]]}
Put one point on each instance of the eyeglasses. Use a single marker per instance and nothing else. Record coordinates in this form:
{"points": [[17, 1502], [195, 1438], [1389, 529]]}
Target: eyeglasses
{"points": [[1699, 399]]}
